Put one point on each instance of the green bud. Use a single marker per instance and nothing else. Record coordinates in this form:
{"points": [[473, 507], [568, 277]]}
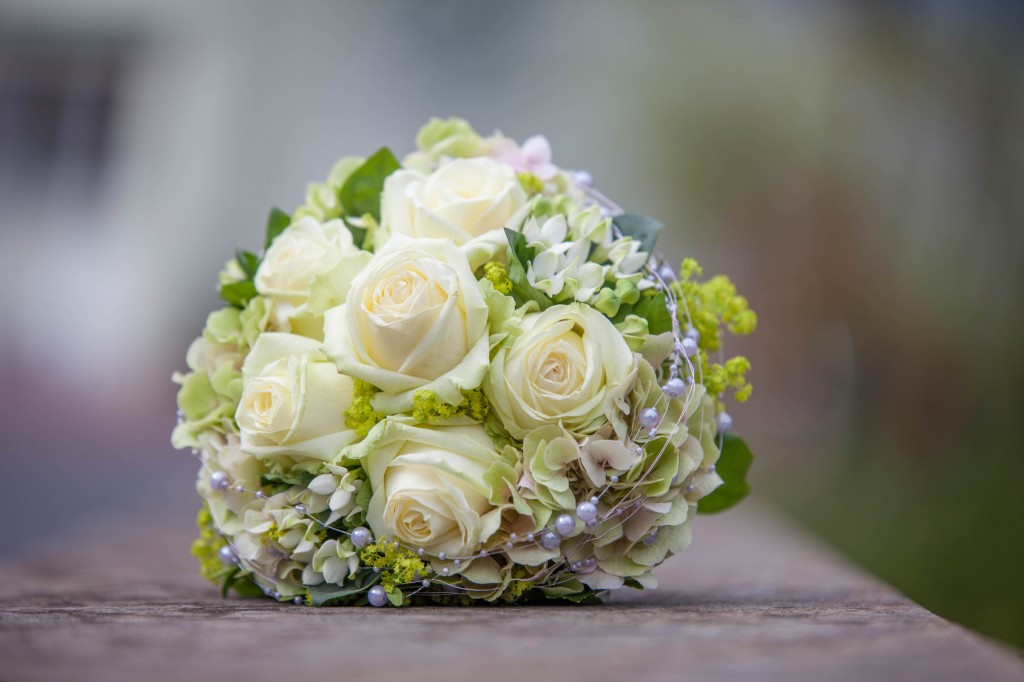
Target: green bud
{"points": [[607, 302], [627, 291]]}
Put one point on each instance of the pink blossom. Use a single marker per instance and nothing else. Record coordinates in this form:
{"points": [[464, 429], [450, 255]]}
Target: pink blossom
{"points": [[534, 156]]}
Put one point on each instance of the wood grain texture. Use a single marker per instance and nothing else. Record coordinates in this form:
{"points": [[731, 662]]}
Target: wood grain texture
{"points": [[752, 598]]}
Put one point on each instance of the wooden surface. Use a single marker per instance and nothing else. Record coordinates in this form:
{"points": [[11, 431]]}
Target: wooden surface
{"points": [[752, 598]]}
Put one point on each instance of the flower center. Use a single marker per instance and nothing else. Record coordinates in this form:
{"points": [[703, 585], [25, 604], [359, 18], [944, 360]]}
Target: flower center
{"points": [[560, 366]]}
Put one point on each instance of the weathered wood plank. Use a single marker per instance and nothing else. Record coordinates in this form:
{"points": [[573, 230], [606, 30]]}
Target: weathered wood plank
{"points": [[752, 597]]}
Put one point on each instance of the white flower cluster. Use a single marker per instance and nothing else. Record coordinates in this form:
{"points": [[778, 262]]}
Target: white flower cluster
{"points": [[467, 385]]}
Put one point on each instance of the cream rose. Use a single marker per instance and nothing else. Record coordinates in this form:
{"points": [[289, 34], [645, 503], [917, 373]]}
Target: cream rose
{"points": [[414, 320], [428, 486], [293, 400], [462, 200], [306, 250], [569, 365]]}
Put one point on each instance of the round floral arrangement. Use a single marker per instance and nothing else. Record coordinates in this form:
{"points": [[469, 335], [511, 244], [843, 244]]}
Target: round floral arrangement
{"points": [[463, 376]]}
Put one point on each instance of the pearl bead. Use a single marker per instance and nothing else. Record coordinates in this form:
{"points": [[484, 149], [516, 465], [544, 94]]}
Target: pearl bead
{"points": [[550, 541], [595, 499], [420, 552], [457, 562], [724, 422], [590, 561], [276, 595], [650, 539], [425, 583], [227, 555], [298, 600], [614, 480], [586, 511], [674, 387], [529, 537], [300, 508], [361, 536], [689, 346], [442, 555], [377, 596], [395, 544], [239, 488], [692, 333], [565, 525], [667, 273], [591, 523], [376, 569], [259, 494], [582, 178], [445, 571], [649, 417], [509, 545], [219, 480], [513, 537]]}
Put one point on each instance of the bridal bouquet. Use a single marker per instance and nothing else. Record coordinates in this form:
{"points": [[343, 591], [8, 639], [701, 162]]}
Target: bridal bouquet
{"points": [[466, 375]]}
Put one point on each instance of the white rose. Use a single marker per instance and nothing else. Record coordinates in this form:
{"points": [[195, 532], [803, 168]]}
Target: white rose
{"points": [[569, 365], [428, 486], [293, 400], [462, 200], [305, 251], [414, 320]]}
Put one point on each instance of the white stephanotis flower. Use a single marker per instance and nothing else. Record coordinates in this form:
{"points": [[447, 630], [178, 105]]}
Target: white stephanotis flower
{"points": [[626, 257], [560, 269], [278, 540], [333, 562], [589, 224], [414, 320], [335, 490]]}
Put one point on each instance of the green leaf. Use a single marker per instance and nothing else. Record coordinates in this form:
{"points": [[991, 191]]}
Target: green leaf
{"points": [[361, 192], [519, 257], [238, 293], [732, 466], [328, 593], [245, 587], [276, 222], [395, 597], [248, 261], [642, 228], [228, 580], [241, 582], [654, 309]]}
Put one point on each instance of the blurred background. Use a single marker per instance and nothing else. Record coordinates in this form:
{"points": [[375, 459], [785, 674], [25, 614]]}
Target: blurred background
{"points": [[857, 167]]}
